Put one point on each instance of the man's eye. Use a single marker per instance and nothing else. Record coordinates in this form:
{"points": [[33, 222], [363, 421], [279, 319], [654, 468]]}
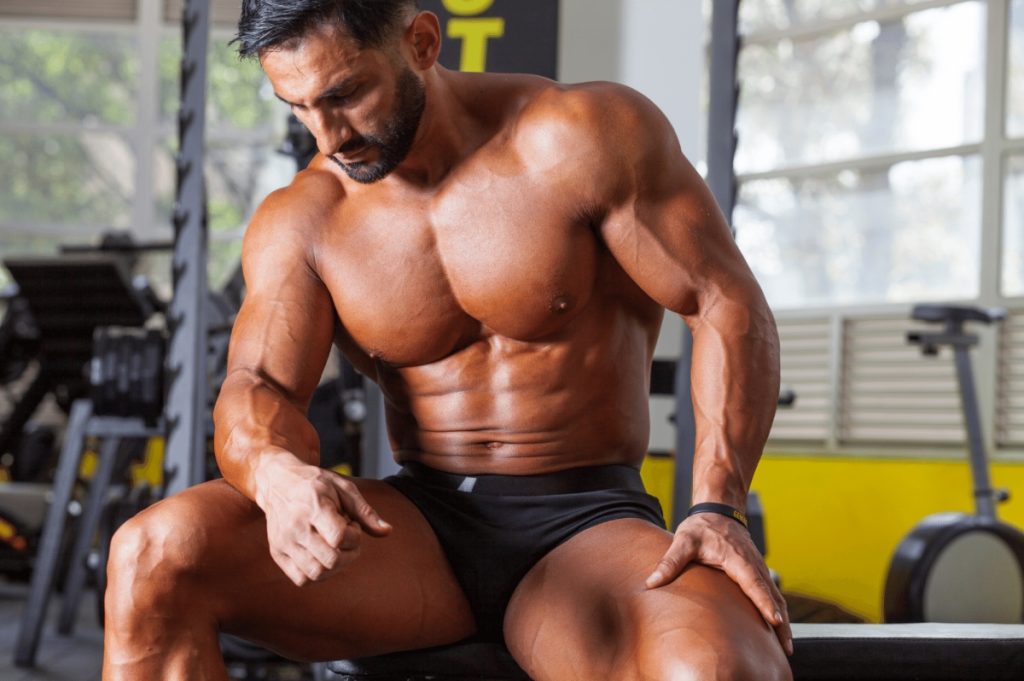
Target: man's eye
{"points": [[344, 97]]}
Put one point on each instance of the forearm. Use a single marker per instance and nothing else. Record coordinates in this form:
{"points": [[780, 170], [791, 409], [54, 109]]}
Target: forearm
{"points": [[257, 429], [735, 389]]}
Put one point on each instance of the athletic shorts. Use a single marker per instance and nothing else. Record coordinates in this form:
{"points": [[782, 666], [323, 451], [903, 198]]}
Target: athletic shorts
{"points": [[494, 528]]}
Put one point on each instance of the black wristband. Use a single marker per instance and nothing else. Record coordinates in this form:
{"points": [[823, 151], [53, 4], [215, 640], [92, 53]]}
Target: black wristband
{"points": [[721, 509]]}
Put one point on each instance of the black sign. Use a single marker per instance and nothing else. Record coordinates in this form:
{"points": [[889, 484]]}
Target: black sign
{"points": [[505, 36]]}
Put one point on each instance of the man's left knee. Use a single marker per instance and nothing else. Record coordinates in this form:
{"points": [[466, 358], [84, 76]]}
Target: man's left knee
{"points": [[691, 657]]}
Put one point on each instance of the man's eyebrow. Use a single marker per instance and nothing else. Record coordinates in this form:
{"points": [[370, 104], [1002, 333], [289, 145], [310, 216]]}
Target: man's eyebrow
{"points": [[284, 100], [339, 88]]}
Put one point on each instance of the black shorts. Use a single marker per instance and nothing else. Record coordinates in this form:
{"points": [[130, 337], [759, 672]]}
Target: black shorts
{"points": [[494, 528]]}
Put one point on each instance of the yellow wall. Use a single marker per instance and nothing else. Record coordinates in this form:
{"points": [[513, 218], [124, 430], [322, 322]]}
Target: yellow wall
{"points": [[833, 523]]}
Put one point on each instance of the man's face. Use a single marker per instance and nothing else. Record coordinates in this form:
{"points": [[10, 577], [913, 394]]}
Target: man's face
{"points": [[363, 106]]}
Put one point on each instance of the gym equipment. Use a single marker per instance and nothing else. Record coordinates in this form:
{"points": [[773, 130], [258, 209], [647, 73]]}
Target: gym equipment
{"points": [[467, 660], [187, 398], [111, 430], [823, 652], [126, 372], [907, 652], [19, 336], [954, 567], [68, 297]]}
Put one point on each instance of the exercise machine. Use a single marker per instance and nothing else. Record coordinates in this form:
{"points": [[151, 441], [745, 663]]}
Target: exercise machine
{"points": [[957, 567]]}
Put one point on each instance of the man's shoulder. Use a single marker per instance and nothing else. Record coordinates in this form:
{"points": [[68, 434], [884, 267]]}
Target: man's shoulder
{"points": [[313, 195], [290, 219], [594, 117]]}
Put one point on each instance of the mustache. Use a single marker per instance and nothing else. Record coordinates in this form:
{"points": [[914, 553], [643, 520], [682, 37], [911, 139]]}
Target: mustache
{"points": [[357, 143]]}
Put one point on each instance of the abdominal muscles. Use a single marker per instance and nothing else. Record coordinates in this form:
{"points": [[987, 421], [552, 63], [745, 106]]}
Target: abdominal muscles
{"points": [[577, 397]]}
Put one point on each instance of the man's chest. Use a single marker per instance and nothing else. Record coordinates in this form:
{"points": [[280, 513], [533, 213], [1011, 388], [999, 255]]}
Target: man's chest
{"points": [[413, 281]]}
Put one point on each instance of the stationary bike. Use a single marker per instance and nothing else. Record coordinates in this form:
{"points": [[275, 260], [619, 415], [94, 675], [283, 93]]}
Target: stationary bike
{"points": [[956, 567]]}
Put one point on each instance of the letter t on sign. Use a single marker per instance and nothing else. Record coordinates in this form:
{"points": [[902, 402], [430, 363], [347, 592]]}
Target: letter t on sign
{"points": [[474, 34]]}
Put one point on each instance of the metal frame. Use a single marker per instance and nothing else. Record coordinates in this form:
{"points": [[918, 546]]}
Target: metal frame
{"points": [[186, 408], [723, 95], [81, 424]]}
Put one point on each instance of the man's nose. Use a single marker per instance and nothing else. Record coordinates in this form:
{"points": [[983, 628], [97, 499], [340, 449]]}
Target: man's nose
{"points": [[330, 131]]}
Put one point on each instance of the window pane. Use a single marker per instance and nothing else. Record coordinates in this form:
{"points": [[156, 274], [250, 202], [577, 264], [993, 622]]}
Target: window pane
{"points": [[760, 15], [83, 179], [1015, 122], [907, 233], [53, 76], [910, 84], [239, 96], [1013, 229]]}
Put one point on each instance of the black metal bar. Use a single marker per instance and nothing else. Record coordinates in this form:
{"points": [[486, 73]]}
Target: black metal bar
{"points": [[723, 98], [984, 497], [85, 531], [187, 397], [724, 93], [45, 572]]}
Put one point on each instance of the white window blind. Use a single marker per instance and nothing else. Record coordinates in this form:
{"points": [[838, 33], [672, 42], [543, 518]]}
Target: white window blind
{"points": [[890, 392], [1010, 381], [806, 369]]}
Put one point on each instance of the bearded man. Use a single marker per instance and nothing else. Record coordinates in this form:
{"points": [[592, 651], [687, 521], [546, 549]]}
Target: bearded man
{"points": [[497, 252]]}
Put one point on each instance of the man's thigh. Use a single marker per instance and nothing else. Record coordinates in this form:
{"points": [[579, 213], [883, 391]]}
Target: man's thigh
{"points": [[584, 612], [398, 593]]}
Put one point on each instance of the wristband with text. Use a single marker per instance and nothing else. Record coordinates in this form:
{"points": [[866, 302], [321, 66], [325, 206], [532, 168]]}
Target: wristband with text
{"points": [[721, 509]]}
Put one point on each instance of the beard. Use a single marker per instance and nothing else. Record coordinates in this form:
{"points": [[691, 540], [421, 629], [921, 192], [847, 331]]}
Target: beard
{"points": [[395, 141]]}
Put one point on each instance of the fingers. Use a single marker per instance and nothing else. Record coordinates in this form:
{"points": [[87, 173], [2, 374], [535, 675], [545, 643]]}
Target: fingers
{"points": [[682, 551], [357, 508], [313, 559], [721, 544], [756, 583]]}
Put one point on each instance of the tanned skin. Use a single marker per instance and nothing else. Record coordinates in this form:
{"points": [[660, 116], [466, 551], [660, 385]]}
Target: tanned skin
{"points": [[505, 286]]}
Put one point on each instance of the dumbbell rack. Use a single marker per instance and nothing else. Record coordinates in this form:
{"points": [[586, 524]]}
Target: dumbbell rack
{"points": [[110, 430]]}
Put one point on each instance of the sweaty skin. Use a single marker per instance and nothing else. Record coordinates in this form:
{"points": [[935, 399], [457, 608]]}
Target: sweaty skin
{"points": [[505, 286]]}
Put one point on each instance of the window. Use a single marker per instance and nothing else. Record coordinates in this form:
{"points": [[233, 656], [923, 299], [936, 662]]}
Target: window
{"points": [[1015, 110], [88, 129], [880, 162], [831, 209]]}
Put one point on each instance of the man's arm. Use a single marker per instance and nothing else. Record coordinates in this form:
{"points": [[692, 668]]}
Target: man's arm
{"points": [[265, 446], [662, 225]]}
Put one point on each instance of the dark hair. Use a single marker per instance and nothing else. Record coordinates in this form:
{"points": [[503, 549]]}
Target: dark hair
{"points": [[270, 23]]}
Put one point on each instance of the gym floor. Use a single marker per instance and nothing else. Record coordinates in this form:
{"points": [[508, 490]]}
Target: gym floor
{"points": [[76, 658]]}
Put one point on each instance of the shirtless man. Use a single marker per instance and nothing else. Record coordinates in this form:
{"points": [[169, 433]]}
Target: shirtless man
{"points": [[496, 252]]}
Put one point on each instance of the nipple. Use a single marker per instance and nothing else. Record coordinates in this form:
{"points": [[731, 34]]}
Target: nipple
{"points": [[560, 304]]}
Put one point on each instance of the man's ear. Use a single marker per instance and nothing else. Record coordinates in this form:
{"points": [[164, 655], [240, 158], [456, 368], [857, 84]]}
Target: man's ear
{"points": [[423, 38]]}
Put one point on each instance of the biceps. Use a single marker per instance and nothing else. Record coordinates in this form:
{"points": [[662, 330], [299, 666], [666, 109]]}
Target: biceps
{"points": [[283, 333]]}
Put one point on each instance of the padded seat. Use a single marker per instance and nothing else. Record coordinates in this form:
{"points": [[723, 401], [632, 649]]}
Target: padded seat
{"points": [[461, 661], [823, 652], [904, 652]]}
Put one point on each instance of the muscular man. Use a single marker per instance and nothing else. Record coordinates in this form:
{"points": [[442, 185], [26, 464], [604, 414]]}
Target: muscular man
{"points": [[497, 253]]}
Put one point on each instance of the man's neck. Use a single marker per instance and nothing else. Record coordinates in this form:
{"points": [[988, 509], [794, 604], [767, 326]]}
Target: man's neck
{"points": [[448, 132]]}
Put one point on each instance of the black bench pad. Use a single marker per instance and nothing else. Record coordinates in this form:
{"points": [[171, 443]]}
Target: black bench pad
{"points": [[823, 652], [898, 652], [462, 662]]}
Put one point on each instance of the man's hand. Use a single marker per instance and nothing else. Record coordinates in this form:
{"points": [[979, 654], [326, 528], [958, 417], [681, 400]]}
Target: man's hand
{"points": [[315, 521], [724, 544]]}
